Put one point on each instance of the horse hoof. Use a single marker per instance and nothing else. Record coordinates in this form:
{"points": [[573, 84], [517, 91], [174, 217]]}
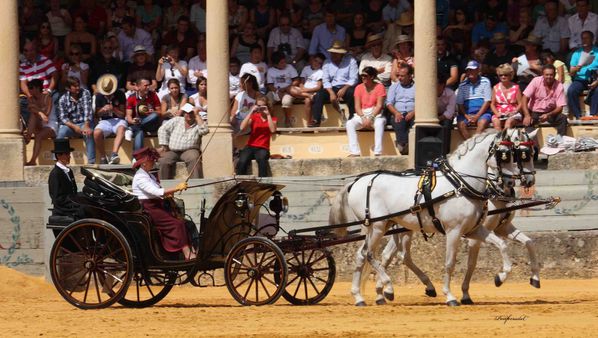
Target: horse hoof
{"points": [[534, 283], [497, 281], [431, 293], [389, 296], [360, 304], [452, 303], [466, 301], [380, 302]]}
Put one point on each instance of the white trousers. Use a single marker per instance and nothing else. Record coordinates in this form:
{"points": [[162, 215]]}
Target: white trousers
{"points": [[355, 124]]}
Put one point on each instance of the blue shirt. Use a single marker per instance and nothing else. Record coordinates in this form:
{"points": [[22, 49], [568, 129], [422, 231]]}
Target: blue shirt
{"points": [[473, 95], [78, 111], [339, 75], [402, 98], [585, 71], [322, 39], [480, 31]]}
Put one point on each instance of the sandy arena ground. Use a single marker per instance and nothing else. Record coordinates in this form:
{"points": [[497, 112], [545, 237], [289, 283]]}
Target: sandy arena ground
{"points": [[32, 307]]}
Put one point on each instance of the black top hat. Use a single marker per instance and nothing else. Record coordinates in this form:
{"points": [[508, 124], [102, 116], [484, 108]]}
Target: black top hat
{"points": [[62, 146]]}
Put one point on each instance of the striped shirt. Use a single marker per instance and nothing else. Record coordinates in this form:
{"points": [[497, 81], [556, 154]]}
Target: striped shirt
{"points": [[42, 69], [74, 110], [473, 95], [178, 138]]}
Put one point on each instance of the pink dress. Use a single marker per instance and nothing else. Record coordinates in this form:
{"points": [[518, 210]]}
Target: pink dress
{"points": [[506, 99]]}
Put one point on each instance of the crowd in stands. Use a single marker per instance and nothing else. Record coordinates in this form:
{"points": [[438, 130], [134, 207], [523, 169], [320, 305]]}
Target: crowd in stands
{"points": [[93, 68]]}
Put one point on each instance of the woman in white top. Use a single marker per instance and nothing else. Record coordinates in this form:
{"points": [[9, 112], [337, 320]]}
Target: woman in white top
{"points": [[170, 67], [173, 102], [150, 193], [200, 99], [244, 101], [75, 67]]}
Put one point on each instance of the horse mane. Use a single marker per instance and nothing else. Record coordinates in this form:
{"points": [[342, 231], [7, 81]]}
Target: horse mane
{"points": [[468, 144]]}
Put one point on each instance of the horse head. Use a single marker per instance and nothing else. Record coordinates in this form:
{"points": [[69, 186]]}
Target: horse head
{"points": [[523, 151]]}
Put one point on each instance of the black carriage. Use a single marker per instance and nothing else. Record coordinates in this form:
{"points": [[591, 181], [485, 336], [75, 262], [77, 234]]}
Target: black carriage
{"points": [[112, 253]]}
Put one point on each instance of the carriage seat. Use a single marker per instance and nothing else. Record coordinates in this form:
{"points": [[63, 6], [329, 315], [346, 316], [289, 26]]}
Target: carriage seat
{"points": [[108, 190], [60, 220]]}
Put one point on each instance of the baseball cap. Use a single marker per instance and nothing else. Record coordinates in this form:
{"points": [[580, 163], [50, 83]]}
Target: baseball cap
{"points": [[187, 108], [472, 65]]}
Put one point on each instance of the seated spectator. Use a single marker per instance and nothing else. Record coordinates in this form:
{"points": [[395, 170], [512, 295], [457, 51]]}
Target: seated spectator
{"points": [[75, 117], [369, 104], [311, 82], [458, 26], [42, 123], [501, 54], [357, 35], [173, 13], [173, 102], [393, 9], [402, 54], [473, 100], [35, 66], [283, 85], [143, 112], [180, 140], [199, 100], [116, 51], [131, 36], [528, 65], [183, 37], [484, 30], [48, 43], [264, 17], [346, 11], [592, 97], [256, 67], [552, 29], [584, 62], [234, 77], [140, 68], [81, 37], [149, 16], [75, 67], [339, 78], [446, 64], [524, 27], [198, 65], [374, 57], [288, 40], [326, 33], [60, 21], [584, 20], [197, 16], [105, 63], [245, 42], [261, 125], [506, 99], [110, 112], [293, 10], [171, 67], [244, 101], [447, 104], [400, 102], [314, 13], [543, 101], [117, 13], [562, 73], [403, 26], [96, 15], [373, 15]]}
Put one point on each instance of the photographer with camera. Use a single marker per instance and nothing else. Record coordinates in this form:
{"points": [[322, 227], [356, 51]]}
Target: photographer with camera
{"points": [[288, 40], [170, 67], [143, 112], [262, 126]]}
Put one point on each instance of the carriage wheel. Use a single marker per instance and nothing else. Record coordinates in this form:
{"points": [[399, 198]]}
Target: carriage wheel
{"points": [[91, 264], [148, 288], [311, 276], [255, 271]]}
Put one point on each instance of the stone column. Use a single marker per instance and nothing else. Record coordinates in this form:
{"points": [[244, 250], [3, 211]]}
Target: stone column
{"points": [[11, 141], [425, 69], [217, 157]]}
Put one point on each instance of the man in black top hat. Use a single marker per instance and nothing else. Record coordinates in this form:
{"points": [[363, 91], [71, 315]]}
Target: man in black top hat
{"points": [[61, 182]]}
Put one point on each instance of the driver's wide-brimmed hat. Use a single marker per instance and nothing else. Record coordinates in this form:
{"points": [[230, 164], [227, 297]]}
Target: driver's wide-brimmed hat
{"points": [[145, 154], [337, 47], [107, 84]]}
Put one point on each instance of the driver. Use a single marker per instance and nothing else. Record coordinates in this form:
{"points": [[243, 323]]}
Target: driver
{"points": [[147, 188]]}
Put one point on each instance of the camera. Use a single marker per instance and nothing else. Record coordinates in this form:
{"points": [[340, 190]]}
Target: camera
{"points": [[165, 59], [260, 108]]}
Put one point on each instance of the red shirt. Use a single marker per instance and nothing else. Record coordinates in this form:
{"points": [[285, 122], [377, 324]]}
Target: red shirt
{"points": [[260, 132], [151, 101]]}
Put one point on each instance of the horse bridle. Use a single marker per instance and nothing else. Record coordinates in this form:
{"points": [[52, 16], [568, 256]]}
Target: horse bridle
{"points": [[520, 151]]}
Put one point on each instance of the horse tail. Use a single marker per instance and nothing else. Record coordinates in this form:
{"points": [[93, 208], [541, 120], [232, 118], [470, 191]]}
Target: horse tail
{"points": [[339, 210]]}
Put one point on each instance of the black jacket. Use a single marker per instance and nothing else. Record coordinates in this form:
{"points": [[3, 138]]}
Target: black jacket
{"points": [[61, 189]]}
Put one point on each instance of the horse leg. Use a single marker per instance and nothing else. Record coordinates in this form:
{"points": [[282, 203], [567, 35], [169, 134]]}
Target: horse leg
{"points": [[452, 246], [357, 274], [377, 233], [406, 255], [515, 234], [489, 237], [389, 252], [472, 260]]}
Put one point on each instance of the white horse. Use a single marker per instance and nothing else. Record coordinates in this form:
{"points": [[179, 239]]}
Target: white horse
{"points": [[518, 149], [378, 195]]}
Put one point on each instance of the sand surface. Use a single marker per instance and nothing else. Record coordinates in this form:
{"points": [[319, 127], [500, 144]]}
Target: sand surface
{"points": [[31, 307]]}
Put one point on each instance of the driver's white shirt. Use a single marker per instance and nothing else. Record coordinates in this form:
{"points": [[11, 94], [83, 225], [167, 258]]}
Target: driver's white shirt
{"points": [[145, 186]]}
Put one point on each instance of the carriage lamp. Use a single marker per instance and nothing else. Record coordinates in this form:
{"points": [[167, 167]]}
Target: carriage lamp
{"points": [[279, 204], [242, 203]]}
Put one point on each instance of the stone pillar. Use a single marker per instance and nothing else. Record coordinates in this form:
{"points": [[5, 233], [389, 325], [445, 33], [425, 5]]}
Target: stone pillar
{"points": [[425, 69], [11, 141], [217, 158]]}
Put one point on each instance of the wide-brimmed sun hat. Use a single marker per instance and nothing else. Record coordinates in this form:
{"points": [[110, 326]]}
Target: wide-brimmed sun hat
{"points": [[145, 154], [107, 84], [403, 38], [498, 37], [337, 47], [531, 39], [373, 40], [405, 19]]}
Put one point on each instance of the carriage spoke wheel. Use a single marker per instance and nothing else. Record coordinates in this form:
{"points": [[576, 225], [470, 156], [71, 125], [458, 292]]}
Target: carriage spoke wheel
{"points": [[311, 276], [255, 271], [148, 288], [91, 264]]}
